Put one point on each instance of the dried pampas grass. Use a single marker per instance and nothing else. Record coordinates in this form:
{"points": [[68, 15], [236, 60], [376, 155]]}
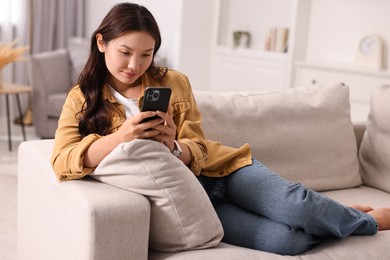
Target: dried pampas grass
{"points": [[9, 54]]}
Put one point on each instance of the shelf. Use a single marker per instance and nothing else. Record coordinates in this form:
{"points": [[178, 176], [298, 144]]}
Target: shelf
{"points": [[262, 70], [254, 16], [252, 53], [343, 67]]}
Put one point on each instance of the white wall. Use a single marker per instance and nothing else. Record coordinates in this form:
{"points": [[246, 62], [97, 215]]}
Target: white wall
{"points": [[336, 26], [194, 54]]}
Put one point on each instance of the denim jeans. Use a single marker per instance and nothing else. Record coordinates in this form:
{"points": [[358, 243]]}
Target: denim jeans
{"points": [[261, 210]]}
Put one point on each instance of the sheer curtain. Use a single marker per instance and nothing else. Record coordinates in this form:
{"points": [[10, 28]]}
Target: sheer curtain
{"points": [[14, 20], [54, 21]]}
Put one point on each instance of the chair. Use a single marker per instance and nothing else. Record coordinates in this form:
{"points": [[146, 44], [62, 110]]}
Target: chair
{"points": [[52, 74]]}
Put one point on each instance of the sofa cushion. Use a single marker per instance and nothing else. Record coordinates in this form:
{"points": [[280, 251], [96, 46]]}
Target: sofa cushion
{"points": [[353, 247], [55, 103], [374, 154], [360, 195], [78, 49], [304, 134], [177, 222], [45, 76]]}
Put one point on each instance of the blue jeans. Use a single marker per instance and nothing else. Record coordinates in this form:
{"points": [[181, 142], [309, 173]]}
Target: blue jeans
{"points": [[261, 210]]}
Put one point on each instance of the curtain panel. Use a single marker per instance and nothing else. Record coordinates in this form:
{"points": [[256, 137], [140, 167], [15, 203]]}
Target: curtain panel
{"points": [[54, 21], [14, 24]]}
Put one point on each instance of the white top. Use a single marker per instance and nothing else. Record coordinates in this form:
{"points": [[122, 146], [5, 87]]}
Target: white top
{"points": [[130, 104]]}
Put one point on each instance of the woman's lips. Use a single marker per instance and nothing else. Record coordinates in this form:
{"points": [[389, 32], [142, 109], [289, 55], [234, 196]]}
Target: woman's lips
{"points": [[130, 74]]}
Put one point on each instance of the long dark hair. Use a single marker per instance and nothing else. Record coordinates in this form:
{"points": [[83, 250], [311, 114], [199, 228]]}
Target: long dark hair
{"points": [[95, 116]]}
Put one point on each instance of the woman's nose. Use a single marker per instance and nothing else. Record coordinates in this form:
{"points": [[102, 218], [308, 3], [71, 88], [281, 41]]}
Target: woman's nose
{"points": [[134, 63]]}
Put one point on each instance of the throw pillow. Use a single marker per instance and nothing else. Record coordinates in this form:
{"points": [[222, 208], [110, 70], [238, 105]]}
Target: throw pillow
{"points": [[374, 154], [182, 216], [78, 49], [303, 134]]}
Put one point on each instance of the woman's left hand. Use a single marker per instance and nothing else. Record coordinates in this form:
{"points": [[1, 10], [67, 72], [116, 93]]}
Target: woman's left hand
{"points": [[166, 132]]}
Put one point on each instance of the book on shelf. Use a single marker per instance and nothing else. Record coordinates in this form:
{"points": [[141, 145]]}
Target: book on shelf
{"points": [[276, 39]]}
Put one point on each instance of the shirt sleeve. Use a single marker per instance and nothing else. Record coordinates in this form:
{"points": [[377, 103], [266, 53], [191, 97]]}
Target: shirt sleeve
{"points": [[188, 120], [69, 146]]}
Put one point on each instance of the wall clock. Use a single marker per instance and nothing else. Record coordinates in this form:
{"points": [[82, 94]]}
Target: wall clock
{"points": [[370, 52]]}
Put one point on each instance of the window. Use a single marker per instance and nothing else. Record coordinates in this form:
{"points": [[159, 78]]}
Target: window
{"points": [[10, 11]]}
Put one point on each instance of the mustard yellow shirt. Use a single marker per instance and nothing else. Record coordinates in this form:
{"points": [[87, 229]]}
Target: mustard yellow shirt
{"points": [[208, 157]]}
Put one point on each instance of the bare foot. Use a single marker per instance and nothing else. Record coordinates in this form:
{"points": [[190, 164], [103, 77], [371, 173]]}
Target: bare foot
{"points": [[361, 207], [382, 217]]}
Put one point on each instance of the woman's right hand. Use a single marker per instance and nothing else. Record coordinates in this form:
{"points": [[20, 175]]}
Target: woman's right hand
{"points": [[132, 128]]}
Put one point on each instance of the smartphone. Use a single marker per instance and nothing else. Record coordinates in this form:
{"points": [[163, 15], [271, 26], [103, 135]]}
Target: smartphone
{"points": [[156, 98]]}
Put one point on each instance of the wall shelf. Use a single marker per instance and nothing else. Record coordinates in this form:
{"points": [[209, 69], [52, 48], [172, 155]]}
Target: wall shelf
{"points": [[254, 68], [251, 53], [343, 68]]}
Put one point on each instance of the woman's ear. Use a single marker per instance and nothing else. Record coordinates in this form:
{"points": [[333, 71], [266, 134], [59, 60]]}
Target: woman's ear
{"points": [[100, 43]]}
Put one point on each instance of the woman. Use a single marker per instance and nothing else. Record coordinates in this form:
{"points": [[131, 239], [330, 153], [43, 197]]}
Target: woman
{"points": [[251, 201]]}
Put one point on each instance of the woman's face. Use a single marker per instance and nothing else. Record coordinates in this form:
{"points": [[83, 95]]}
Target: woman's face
{"points": [[127, 57]]}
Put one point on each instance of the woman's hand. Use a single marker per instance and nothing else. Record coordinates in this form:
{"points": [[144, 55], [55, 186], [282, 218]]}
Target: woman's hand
{"points": [[166, 132], [132, 128], [162, 129]]}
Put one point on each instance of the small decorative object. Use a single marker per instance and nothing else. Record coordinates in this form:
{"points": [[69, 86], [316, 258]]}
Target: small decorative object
{"points": [[370, 52], [9, 54], [237, 37], [276, 39]]}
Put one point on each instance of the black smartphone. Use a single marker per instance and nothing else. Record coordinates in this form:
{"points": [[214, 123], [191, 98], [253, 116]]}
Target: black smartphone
{"points": [[156, 98]]}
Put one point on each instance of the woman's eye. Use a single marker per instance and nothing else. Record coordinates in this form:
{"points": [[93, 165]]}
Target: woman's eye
{"points": [[124, 52]]}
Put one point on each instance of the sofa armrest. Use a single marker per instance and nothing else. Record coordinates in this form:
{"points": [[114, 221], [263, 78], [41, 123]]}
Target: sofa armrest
{"points": [[83, 219]]}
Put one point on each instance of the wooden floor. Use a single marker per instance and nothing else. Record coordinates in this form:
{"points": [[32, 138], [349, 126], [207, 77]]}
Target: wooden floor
{"points": [[8, 189]]}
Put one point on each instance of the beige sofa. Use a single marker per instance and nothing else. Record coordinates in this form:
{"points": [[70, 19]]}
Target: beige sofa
{"points": [[305, 134]]}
